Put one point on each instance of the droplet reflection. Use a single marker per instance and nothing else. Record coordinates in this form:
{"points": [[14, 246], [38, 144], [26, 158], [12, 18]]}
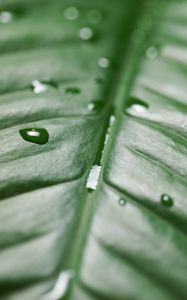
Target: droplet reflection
{"points": [[137, 107], [103, 62], [95, 106], [71, 13], [93, 178], [61, 287], [35, 135], [166, 200], [5, 17], [152, 52], [86, 33], [72, 90], [122, 202]]}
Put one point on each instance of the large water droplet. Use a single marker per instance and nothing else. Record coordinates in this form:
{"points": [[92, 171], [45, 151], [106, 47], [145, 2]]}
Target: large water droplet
{"points": [[93, 178], [95, 16], [41, 87], [103, 62], [152, 52], [5, 17], [72, 90], [86, 33], [61, 287], [71, 13], [137, 107], [35, 135], [166, 200], [95, 106], [122, 202]]}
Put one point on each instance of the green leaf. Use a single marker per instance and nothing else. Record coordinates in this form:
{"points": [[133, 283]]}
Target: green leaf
{"points": [[104, 84]]}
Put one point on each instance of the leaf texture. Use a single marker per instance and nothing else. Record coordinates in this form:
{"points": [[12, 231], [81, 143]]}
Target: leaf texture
{"points": [[119, 242]]}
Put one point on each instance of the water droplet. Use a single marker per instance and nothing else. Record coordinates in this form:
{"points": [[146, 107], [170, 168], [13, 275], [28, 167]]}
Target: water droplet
{"points": [[152, 52], [35, 135], [93, 178], [138, 36], [5, 17], [72, 90], [106, 139], [61, 287], [122, 202], [137, 106], [96, 106], [166, 200], [39, 87], [112, 120], [95, 16], [71, 13], [103, 62], [86, 33]]}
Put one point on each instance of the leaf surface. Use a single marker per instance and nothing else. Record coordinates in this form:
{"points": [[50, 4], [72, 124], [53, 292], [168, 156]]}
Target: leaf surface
{"points": [[120, 241]]}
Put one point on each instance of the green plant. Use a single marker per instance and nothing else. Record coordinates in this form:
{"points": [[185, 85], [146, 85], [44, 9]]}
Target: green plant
{"points": [[88, 87]]}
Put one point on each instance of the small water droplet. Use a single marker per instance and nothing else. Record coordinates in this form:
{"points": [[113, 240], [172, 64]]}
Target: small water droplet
{"points": [[103, 62], [35, 135], [95, 16], [166, 200], [41, 87], [71, 13], [152, 52], [138, 36], [93, 178], [122, 202], [5, 17], [86, 33], [61, 286], [111, 122], [96, 106], [72, 90], [137, 106]]}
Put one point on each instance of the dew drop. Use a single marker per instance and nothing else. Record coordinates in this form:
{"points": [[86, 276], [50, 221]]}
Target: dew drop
{"points": [[111, 122], [61, 286], [72, 90], [95, 106], [93, 178], [166, 200], [122, 202], [95, 16], [5, 17], [152, 52], [103, 62], [137, 107], [86, 33], [71, 13], [35, 135], [41, 87]]}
